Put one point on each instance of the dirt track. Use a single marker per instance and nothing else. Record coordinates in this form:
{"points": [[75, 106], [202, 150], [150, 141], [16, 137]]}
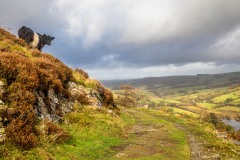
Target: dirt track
{"points": [[154, 141]]}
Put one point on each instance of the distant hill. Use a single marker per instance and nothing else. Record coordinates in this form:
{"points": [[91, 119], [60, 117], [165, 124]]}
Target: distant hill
{"points": [[167, 84]]}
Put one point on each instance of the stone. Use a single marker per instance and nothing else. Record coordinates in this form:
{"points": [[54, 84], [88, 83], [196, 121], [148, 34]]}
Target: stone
{"points": [[72, 85], [92, 95]]}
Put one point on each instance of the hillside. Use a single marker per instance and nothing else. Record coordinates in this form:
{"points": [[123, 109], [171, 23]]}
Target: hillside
{"points": [[38, 92], [165, 85]]}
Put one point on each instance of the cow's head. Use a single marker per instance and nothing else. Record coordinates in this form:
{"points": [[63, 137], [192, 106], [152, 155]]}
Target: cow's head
{"points": [[47, 39]]}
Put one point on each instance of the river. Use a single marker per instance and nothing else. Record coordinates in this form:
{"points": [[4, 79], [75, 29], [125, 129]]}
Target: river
{"points": [[235, 124]]}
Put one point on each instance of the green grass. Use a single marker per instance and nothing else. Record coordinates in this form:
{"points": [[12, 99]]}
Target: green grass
{"points": [[182, 145], [205, 133], [207, 105], [93, 133], [229, 108], [171, 136], [223, 98], [127, 118], [177, 138], [184, 112], [193, 109], [86, 144], [92, 138], [235, 102], [169, 101]]}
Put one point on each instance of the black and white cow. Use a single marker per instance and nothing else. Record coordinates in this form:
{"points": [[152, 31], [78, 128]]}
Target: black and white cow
{"points": [[33, 39]]}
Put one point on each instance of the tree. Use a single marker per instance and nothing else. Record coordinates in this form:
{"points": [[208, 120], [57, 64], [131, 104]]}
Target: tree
{"points": [[228, 100], [128, 97]]}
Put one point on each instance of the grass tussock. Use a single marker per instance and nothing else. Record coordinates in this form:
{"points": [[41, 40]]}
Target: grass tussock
{"points": [[54, 133]]}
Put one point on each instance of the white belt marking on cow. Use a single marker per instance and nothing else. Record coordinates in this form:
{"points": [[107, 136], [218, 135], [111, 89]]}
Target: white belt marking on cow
{"points": [[35, 41]]}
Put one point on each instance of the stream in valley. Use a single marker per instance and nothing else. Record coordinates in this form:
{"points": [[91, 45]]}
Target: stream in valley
{"points": [[235, 124]]}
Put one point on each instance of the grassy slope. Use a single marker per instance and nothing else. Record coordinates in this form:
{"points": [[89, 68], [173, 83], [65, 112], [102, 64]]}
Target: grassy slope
{"points": [[92, 135], [92, 132]]}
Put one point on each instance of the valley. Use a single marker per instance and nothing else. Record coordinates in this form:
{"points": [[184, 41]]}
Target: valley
{"points": [[207, 117], [196, 95]]}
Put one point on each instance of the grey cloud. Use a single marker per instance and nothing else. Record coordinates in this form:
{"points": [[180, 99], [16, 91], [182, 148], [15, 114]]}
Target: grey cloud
{"points": [[113, 34]]}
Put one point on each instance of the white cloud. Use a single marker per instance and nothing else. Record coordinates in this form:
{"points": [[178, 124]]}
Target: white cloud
{"points": [[86, 19]]}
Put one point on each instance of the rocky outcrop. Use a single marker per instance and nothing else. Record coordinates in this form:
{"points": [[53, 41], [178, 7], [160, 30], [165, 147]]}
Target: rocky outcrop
{"points": [[85, 95], [53, 107]]}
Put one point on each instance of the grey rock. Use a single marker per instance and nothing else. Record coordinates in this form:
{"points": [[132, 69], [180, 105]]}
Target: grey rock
{"points": [[92, 95], [53, 106]]}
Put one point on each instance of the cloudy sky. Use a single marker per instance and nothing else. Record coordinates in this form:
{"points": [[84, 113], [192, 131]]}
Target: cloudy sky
{"points": [[117, 39]]}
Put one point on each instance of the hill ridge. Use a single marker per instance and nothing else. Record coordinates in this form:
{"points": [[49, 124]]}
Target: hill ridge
{"points": [[180, 81]]}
